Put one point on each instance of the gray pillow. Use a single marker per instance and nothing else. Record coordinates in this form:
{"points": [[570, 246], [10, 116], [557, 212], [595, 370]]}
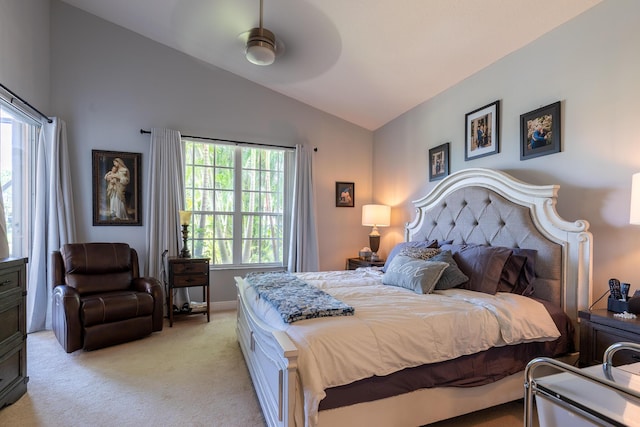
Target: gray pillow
{"points": [[414, 274], [452, 275]]}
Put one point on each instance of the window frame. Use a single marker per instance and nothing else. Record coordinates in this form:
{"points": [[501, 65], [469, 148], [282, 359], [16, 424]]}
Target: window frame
{"points": [[238, 214], [24, 140]]}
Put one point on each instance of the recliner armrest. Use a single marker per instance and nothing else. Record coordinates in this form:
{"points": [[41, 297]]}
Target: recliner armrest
{"points": [[152, 286], [66, 317]]}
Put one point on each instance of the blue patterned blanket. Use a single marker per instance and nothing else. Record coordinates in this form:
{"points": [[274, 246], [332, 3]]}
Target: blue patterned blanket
{"points": [[295, 299]]}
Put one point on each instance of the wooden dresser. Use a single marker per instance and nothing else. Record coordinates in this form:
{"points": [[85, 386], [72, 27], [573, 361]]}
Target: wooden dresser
{"points": [[13, 330]]}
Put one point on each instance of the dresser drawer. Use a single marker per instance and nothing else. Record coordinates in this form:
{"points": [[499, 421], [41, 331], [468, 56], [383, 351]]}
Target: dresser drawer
{"points": [[10, 281], [13, 375], [11, 321]]}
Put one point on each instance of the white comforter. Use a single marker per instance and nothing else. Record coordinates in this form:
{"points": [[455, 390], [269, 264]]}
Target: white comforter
{"points": [[394, 328]]}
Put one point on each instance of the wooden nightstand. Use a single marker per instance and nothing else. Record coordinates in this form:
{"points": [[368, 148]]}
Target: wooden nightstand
{"points": [[599, 329], [353, 263], [185, 273]]}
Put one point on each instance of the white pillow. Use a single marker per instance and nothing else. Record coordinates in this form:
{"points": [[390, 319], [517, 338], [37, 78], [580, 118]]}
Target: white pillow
{"points": [[414, 274]]}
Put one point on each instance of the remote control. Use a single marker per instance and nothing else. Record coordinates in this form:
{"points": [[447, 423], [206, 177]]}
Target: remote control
{"points": [[614, 288]]}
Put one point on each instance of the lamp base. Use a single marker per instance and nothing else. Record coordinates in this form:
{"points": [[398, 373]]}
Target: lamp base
{"points": [[374, 243], [184, 253], [375, 257]]}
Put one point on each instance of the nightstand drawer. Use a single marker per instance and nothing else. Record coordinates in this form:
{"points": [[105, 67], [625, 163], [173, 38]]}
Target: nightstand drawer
{"points": [[190, 268], [183, 280], [354, 263], [605, 337], [601, 328]]}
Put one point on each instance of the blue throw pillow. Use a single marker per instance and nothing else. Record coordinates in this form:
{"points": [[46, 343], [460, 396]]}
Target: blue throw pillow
{"points": [[414, 274]]}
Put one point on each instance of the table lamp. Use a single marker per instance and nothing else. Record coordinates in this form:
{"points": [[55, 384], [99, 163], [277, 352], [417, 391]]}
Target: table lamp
{"points": [[185, 219], [375, 216]]}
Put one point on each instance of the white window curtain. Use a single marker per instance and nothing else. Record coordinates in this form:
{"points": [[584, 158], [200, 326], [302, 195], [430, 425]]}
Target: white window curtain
{"points": [[4, 241], [303, 246], [54, 220], [165, 199]]}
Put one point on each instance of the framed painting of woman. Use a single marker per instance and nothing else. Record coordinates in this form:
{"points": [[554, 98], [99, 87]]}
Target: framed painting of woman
{"points": [[116, 188]]}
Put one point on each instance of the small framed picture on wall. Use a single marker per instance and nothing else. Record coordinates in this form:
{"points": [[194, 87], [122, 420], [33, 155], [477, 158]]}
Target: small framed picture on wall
{"points": [[482, 131], [345, 194], [439, 162], [540, 132]]}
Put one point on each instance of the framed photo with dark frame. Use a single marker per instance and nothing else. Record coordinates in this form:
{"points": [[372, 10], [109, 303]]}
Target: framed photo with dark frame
{"points": [[439, 162], [482, 131], [116, 188], [345, 194], [540, 132]]}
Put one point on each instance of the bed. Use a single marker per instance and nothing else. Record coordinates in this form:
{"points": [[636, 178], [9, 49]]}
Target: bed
{"points": [[471, 208]]}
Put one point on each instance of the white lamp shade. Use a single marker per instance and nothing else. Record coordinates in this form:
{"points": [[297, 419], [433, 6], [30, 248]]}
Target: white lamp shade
{"points": [[634, 216], [376, 215]]}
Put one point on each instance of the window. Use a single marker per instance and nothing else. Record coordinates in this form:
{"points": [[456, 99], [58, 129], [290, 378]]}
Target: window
{"points": [[238, 196], [18, 138]]}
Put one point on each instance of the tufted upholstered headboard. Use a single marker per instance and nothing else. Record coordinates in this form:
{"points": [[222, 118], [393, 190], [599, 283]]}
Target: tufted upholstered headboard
{"points": [[489, 207]]}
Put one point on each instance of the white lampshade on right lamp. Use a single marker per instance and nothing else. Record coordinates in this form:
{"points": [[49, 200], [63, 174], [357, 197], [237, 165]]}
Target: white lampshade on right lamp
{"points": [[375, 216], [634, 212]]}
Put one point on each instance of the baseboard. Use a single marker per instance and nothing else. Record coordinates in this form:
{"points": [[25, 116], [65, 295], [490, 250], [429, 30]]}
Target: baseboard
{"points": [[224, 305]]}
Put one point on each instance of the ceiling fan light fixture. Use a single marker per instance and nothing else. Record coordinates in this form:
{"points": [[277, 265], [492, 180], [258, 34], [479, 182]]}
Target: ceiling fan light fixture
{"points": [[261, 47]]}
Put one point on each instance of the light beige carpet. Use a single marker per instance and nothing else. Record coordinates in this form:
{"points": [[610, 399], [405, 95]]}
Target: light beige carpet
{"points": [[190, 375]]}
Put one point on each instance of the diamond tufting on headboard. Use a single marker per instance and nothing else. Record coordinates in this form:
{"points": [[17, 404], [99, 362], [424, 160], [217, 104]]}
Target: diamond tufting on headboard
{"points": [[490, 207]]}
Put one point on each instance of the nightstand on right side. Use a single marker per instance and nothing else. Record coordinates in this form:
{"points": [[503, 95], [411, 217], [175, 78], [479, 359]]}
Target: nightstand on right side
{"points": [[599, 329]]}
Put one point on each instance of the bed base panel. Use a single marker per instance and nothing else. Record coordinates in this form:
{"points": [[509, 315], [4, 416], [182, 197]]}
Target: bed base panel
{"points": [[271, 359], [425, 406]]}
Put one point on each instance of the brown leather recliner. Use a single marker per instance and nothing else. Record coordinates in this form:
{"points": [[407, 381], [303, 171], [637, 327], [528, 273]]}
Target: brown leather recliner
{"points": [[99, 298]]}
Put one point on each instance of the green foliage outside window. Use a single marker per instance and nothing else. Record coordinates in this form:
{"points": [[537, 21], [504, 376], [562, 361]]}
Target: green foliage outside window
{"points": [[238, 211]]}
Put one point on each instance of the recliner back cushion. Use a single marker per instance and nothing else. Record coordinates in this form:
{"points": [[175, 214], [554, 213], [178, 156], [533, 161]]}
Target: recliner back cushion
{"points": [[97, 267]]}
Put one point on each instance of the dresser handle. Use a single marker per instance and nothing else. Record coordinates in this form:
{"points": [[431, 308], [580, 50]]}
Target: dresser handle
{"points": [[6, 282]]}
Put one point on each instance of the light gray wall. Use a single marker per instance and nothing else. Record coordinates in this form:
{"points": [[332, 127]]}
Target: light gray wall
{"points": [[24, 50], [108, 82], [591, 64]]}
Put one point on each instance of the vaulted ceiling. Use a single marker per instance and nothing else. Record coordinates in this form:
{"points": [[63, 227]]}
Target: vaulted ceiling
{"points": [[365, 61]]}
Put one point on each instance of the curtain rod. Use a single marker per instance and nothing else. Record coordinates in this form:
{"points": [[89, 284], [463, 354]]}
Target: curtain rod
{"points": [[142, 131], [15, 95]]}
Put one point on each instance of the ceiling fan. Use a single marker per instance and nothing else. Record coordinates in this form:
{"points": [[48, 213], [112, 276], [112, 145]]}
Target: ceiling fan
{"points": [[262, 47]]}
